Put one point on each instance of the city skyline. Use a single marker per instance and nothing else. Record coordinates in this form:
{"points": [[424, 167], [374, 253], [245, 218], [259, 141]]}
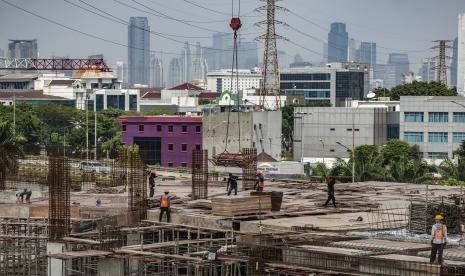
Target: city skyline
{"points": [[392, 30]]}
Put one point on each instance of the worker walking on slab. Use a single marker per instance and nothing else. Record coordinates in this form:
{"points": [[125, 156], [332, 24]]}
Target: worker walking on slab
{"points": [[331, 181], [260, 184], [165, 205], [152, 177], [438, 239], [232, 184], [27, 194]]}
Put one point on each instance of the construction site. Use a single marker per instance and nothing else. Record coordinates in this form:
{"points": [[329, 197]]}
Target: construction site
{"points": [[376, 229]]}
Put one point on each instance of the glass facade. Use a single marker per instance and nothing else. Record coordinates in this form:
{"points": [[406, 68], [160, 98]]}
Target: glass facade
{"points": [[115, 101], [310, 94], [132, 102], [437, 155], [413, 137], [150, 149], [459, 117], [350, 85], [458, 137], [438, 137], [305, 85], [305, 77], [98, 102], [438, 117], [414, 117], [393, 132]]}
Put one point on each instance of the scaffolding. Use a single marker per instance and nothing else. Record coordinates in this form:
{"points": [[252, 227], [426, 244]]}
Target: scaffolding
{"points": [[199, 174], [248, 172]]}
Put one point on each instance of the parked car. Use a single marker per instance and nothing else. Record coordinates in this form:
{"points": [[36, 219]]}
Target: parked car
{"points": [[93, 167]]}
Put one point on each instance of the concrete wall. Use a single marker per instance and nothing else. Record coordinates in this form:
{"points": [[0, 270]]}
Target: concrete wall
{"points": [[333, 125]]}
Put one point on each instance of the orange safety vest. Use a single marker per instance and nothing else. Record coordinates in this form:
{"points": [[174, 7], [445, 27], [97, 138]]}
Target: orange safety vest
{"points": [[261, 183], [439, 234], [164, 201]]}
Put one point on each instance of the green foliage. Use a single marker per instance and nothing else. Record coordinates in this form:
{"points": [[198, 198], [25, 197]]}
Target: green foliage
{"points": [[320, 169], [450, 182], [157, 112], [287, 127], [204, 101], [417, 89], [320, 103], [11, 149]]}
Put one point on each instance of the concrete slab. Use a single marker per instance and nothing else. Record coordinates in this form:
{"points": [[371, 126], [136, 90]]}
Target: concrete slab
{"points": [[381, 245]]}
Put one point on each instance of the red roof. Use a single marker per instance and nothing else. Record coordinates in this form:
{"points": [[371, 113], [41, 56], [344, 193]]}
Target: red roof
{"points": [[28, 95], [151, 95], [209, 95], [187, 86]]}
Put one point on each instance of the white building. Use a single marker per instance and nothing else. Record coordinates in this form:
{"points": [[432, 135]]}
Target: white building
{"points": [[220, 80], [461, 56]]}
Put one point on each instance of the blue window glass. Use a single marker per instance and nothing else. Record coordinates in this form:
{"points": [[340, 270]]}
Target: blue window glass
{"points": [[438, 117], [305, 77], [393, 132], [458, 137], [413, 137], [305, 85], [459, 117], [438, 137], [414, 117], [437, 155]]}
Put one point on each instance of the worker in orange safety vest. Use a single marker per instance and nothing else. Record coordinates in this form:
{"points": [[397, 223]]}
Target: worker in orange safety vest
{"points": [[260, 184], [165, 204], [438, 239]]}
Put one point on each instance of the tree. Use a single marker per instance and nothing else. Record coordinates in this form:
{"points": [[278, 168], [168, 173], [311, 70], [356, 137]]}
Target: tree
{"points": [[287, 127], [394, 150], [368, 163], [11, 150], [420, 89]]}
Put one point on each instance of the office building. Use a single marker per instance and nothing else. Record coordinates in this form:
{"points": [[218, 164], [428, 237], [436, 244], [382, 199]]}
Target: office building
{"points": [[2, 53], [21, 48], [121, 72], [249, 54], [186, 63], [335, 83], [164, 140], [454, 63], [367, 53], [222, 42], [401, 65], [338, 43], [220, 80], [156, 75], [199, 64], [138, 51], [174, 72], [435, 124], [427, 71], [461, 55], [299, 62], [352, 51], [386, 73]]}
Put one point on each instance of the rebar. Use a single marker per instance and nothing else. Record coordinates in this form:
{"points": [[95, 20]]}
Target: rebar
{"points": [[199, 174], [248, 172]]}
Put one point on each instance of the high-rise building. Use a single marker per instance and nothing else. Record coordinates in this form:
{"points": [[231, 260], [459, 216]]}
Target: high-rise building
{"points": [[138, 51], [453, 65], [461, 55], [156, 75], [401, 64], [385, 73], [367, 53], [186, 63], [2, 53], [222, 56], [352, 50], [325, 51], [96, 56], [338, 43], [427, 71], [20, 48], [175, 72], [249, 54], [197, 63], [121, 72]]}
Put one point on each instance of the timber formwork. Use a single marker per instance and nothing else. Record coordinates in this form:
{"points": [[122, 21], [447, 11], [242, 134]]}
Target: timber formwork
{"points": [[199, 174], [248, 171]]}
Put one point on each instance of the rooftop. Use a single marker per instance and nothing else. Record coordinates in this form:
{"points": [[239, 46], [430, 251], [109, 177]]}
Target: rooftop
{"points": [[187, 86], [28, 95], [160, 119], [19, 77]]}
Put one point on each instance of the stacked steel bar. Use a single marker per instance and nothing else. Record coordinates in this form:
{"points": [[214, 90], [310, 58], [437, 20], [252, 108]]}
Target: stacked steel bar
{"points": [[228, 159], [59, 197], [199, 174], [248, 172], [422, 216]]}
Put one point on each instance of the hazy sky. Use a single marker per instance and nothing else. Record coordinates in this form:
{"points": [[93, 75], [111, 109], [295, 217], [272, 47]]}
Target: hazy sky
{"points": [[395, 25]]}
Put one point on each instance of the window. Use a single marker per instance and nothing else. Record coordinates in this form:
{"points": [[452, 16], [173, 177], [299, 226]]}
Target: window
{"points": [[198, 147], [458, 137], [438, 137], [331, 150], [459, 117], [437, 155], [332, 129], [183, 147], [124, 127], [170, 128], [198, 129], [170, 147], [413, 137], [170, 164], [158, 128], [184, 129], [413, 117], [438, 117], [183, 164], [141, 128]]}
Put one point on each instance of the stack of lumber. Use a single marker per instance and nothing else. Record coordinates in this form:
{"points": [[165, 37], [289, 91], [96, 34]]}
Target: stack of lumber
{"points": [[240, 205], [422, 218], [200, 204]]}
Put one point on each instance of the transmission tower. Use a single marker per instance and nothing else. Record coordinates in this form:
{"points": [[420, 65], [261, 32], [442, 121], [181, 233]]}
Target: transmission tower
{"points": [[270, 69], [441, 66]]}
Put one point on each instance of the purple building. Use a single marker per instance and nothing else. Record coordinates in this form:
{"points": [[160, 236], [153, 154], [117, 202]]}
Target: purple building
{"points": [[165, 140]]}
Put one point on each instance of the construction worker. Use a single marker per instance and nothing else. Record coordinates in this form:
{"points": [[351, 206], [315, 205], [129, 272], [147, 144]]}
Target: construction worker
{"points": [[28, 195], [232, 184], [152, 177], [260, 184], [165, 204], [330, 181], [438, 239]]}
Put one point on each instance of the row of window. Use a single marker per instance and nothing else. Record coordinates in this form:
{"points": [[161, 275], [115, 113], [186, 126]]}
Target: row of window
{"points": [[434, 117], [438, 155], [183, 147], [302, 77], [305, 85], [309, 94], [159, 128], [434, 137]]}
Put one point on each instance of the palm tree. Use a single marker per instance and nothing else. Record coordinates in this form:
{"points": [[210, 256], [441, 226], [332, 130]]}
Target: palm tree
{"points": [[11, 150]]}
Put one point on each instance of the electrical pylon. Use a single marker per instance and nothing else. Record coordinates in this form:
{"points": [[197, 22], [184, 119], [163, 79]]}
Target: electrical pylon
{"points": [[441, 66]]}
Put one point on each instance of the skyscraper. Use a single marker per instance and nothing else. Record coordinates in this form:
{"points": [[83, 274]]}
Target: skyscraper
{"points": [[197, 63], [175, 72], [222, 56], [427, 71], [367, 53], [156, 75], [461, 55], [401, 64], [338, 43], [352, 51], [186, 63], [249, 54], [20, 48], [121, 72], [2, 53], [138, 51], [453, 65]]}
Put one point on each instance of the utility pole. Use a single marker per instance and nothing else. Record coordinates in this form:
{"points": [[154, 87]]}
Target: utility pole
{"points": [[14, 113], [270, 70], [95, 130], [441, 66], [87, 126]]}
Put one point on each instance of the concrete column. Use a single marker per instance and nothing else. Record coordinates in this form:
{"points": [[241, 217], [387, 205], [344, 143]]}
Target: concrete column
{"points": [[55, 266], [111, 267]]}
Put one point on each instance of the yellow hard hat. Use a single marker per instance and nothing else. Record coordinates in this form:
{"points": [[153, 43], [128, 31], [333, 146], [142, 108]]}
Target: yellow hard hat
{"points": [[438, 217], [258, 172]]}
